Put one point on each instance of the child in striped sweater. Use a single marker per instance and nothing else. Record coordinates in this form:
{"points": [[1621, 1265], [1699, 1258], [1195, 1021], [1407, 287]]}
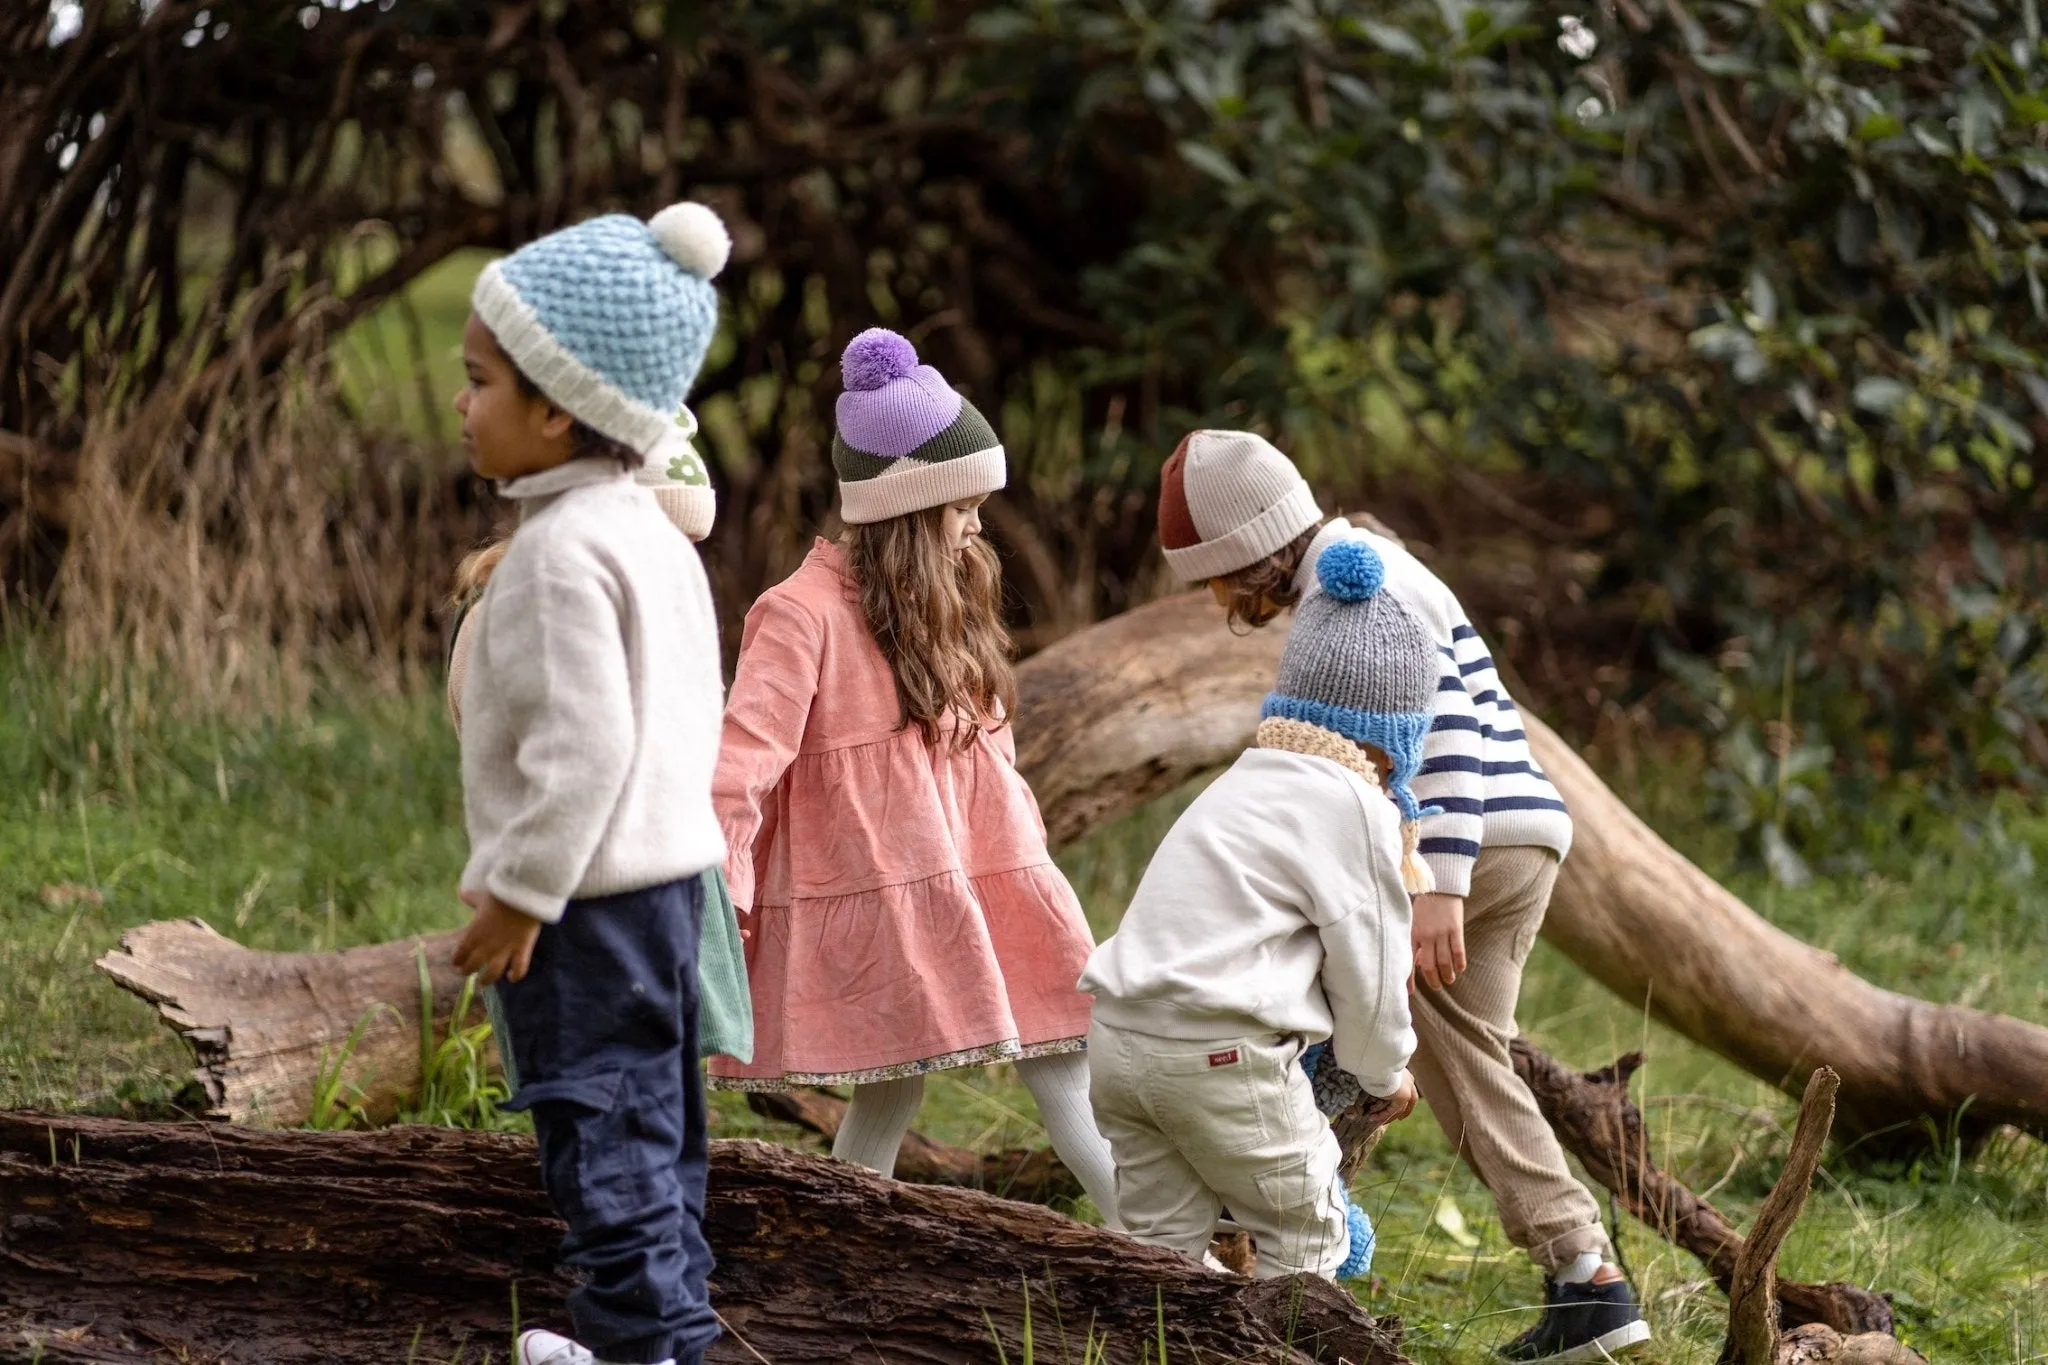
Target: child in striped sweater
{"points": [[1234, 513]]}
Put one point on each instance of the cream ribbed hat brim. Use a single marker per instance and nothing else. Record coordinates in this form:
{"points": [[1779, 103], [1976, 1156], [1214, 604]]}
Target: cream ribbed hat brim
{"points": [[1249, 543]]}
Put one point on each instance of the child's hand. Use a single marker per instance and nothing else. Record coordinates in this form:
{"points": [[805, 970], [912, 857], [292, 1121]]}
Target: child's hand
{"points": [[1439, 938], [1397, 1106], [498, 942]]}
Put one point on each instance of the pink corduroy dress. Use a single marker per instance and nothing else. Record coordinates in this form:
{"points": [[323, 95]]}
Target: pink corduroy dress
{"points": [[906, 915]]}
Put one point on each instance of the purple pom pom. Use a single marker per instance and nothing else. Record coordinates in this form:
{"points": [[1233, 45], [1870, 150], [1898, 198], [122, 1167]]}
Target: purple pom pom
{"points": [[875, 357]]}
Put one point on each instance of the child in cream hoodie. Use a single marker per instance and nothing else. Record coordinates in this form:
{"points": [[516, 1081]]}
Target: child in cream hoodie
{"points": [[1274, 916]]}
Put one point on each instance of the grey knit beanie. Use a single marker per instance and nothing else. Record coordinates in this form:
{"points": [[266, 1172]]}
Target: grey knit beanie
{"points": [[1361, 663], [1227, 499]]}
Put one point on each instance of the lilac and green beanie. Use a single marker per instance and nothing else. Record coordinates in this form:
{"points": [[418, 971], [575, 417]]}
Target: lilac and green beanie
{"points": [[611, 318], [906, 440]]}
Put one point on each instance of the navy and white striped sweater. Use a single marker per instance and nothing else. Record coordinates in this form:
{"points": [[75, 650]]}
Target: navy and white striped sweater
{"points": [[1476, 764]]}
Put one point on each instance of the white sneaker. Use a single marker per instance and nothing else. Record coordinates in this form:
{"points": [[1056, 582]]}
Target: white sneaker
{"points": [[548, 1348]]}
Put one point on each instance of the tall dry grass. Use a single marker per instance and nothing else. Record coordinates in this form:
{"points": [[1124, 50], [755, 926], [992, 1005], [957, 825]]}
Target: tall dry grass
{"points": [[237, 538]]}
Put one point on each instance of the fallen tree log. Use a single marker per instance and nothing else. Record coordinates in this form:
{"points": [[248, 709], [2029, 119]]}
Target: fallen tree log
{"points": [[1596, 1122], [263, 1026], [128, 1241], [1134, 707], [1117, 714]]}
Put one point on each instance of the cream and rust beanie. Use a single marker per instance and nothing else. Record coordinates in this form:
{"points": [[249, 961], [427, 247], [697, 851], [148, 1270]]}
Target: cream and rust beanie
{"points": [[1227, 499]]}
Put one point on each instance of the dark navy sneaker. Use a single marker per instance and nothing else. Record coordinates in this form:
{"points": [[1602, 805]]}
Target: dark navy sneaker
{"points": [[1581, 1322]]}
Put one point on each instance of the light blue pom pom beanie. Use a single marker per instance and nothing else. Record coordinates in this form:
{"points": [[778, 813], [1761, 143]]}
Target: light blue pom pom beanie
{"points": [[611, 318]]}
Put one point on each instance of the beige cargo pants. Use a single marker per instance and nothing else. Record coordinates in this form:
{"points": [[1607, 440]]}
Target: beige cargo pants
{"points": [[1196, 1126], [1463, 1069]]}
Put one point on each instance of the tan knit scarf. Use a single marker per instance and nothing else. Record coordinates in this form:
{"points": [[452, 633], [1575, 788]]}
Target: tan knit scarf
{"points": [[1299, 737]]}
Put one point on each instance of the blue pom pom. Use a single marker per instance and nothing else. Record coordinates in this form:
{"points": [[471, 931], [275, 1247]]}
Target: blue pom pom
{"points": [[1350, 571], [1358, 1261]]}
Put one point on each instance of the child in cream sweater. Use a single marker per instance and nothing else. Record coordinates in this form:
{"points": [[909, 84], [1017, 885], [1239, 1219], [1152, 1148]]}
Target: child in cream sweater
{"points": [[1274, 916], [590, 716]]}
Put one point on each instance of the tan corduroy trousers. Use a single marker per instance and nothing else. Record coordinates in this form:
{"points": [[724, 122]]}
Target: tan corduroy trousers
{"points": [[1463, 1069]]}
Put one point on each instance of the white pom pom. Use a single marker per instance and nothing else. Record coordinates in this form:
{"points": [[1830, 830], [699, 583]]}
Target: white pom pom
{"points": [[693, 236]]}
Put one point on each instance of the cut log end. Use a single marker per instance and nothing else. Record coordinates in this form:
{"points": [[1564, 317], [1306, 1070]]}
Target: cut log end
{"points": [[263, 1027], [1818, 1344]]}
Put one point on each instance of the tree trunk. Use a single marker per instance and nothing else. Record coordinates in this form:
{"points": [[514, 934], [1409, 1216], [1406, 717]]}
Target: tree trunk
{"points": [[1661, 934], [127, 1241], [1135, 706]]}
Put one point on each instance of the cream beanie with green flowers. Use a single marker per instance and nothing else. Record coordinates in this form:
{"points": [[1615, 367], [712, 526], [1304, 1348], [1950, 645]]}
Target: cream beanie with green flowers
{"points": [[680, 481]]}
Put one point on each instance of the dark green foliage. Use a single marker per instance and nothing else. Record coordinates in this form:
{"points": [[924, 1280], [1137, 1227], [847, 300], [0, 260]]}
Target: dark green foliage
{"points": [[1742, 304], [1761, 282]]}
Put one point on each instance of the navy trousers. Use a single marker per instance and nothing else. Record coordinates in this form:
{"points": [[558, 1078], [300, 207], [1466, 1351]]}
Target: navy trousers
{"points": [[603, 1034]]}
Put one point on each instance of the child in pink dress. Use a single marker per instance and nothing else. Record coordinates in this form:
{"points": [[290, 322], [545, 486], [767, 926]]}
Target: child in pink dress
{"points": [[888, 861]]}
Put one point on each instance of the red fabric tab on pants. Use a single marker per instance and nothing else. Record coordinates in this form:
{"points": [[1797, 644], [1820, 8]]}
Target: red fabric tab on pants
{"points": [[1223, 1058]]}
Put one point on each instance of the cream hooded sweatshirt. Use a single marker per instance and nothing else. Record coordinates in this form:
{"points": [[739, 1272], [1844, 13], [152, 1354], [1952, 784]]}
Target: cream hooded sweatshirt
{"points": [[1274, 905]]}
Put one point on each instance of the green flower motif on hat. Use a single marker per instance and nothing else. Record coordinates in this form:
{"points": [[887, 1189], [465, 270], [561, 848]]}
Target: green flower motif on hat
{"points": [[685, 467]]}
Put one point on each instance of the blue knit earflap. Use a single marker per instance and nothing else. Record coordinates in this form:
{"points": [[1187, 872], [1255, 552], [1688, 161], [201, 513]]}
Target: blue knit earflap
{"points": [[1357, 1261]]}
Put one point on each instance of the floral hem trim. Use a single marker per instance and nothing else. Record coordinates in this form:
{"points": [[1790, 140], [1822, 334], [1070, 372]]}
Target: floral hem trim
{"points": [[1009, 1050]]}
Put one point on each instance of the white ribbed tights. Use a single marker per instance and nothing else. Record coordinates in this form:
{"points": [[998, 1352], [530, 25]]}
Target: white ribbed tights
{"points": [[882, 1112]]}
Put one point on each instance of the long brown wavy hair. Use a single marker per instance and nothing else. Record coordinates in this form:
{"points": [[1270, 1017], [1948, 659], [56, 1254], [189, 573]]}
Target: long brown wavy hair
{"points": [[939, 622]]}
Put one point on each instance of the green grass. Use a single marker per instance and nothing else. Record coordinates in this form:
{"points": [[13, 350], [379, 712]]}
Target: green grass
{"points": [[343, 826]]}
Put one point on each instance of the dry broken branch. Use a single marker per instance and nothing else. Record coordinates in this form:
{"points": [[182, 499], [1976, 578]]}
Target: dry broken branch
{"points": [[1753, 1297], [1596, 1122], [1753, 1288]]}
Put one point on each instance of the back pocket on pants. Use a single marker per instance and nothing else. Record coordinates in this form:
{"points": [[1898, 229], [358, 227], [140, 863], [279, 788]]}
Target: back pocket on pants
{"points": [[1212, 1098]]}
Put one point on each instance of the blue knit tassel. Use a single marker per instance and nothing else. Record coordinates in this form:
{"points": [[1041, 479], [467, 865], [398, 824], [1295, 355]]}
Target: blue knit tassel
{"points": [[1335, 1088], [1358, 1261]]}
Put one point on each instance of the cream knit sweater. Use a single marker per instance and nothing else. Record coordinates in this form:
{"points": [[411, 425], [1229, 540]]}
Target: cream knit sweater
{"points": [[593, 698]]}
